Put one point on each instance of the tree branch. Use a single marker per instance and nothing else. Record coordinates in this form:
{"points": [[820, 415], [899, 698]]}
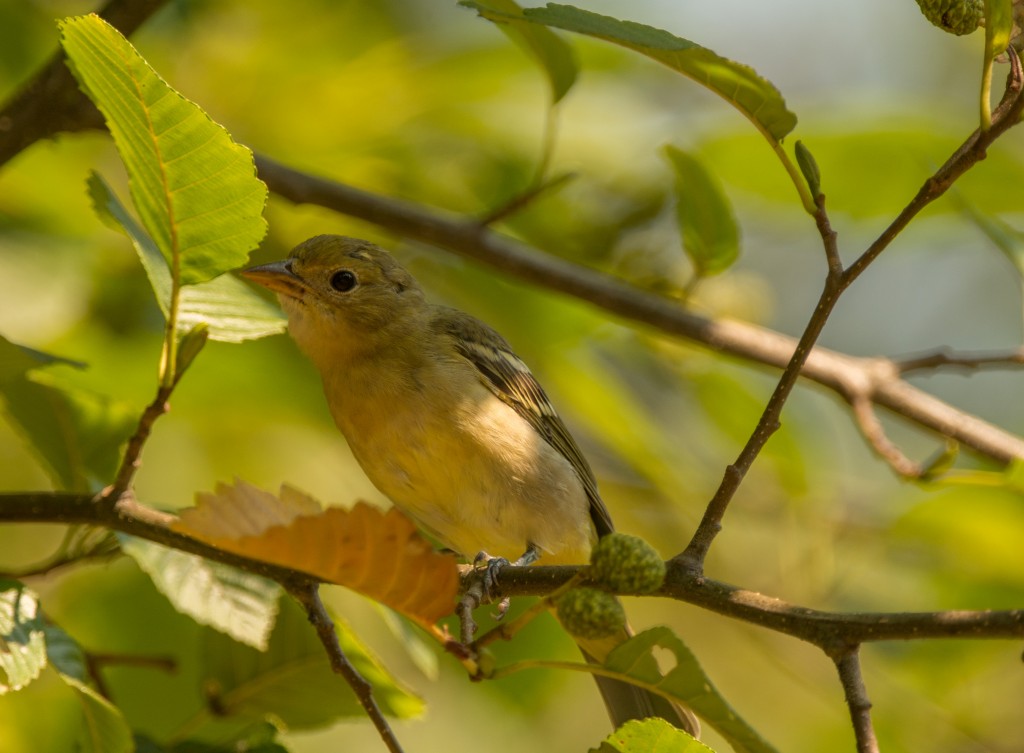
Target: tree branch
{"points": [[307, 592], [51, 102], [66, 109], [848, 665], [823, 629]]}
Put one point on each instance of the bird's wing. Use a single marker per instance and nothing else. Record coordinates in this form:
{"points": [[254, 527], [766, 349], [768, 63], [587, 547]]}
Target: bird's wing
{"points": [[511, 380]]}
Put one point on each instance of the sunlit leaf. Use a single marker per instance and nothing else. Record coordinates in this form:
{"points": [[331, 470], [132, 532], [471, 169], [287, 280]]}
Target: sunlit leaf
{"points": [[547, 48], [685, 682], [738, 84], [650, 736], [22, 637], [194, 188], [235, 602], [380, 555], [104, 729], [292, 680], [705, 218], [227, 306]]}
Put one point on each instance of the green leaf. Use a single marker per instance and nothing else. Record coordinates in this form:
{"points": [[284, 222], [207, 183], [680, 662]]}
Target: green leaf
{"points": [[76, 434], [738, 84], [231, 310], [998, 26], [705, 218], [240, 604], [809, 168], [194, 188], [104, 729], [22, 636], [292, 679], [546, 47], [685, 682], [228, 307], [650, 736], [64, 654]]}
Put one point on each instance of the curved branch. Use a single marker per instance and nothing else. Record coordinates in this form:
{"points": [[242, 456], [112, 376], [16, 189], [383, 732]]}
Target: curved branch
{"points": [[844, 374], [53, 92]]}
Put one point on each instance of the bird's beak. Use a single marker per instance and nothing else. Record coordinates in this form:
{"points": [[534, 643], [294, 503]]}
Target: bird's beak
{"points": [[277, 276]]}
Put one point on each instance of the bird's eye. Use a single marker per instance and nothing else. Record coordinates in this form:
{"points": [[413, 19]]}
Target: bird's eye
{"points": [[343, 281]]}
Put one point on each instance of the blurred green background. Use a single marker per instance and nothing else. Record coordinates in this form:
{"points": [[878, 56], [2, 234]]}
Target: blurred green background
{"points": [[424, 101]]}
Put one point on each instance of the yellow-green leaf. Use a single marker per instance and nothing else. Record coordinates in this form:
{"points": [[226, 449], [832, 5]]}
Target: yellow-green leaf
{"points": [[195, 189]]}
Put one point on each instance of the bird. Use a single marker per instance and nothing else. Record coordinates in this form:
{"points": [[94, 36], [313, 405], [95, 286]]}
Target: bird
{"points": [[447, 421]]}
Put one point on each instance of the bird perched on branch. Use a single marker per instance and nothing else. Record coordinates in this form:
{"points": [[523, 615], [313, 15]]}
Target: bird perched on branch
{"points": [[447, 421]]}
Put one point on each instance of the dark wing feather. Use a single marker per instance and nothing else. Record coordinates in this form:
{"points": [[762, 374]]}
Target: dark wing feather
{"points": [[510, 379]]}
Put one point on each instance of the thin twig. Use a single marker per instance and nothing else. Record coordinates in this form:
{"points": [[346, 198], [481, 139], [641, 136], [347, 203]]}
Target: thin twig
{"points": [[969, 361], [848, 665], [307, 592], [131, 461], [837, 281], [520, 201], [874, 433], [693, 556]]}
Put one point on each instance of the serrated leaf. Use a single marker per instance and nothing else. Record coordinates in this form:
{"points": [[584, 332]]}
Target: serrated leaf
{"points": [[685, 682], [22, 637], [240, 604], [549, 50], [738, 84], [292, 680], [104, 729], [231, 310], [650, 736], [228, 307], [705, 218], [193, 187], [380, 555]]}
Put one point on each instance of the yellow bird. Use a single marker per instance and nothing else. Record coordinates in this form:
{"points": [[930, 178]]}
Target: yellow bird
{"points": [[447, 421]]}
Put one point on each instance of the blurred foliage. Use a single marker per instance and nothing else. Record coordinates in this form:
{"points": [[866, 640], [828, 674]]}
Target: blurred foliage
{"points": [[425, 101]]}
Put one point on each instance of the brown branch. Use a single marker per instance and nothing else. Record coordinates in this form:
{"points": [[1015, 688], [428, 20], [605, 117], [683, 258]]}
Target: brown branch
{"points": [[131, 461], [874, 433], [128, 516], [307, 592], [972, 151], [823, 629], [842, 373], [848, 665], [51, 102], [756, 344], [968, 361], [837, 281], [693, 556]]}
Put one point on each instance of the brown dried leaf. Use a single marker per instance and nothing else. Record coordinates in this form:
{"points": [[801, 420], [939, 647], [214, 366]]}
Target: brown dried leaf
{"points": [[379, 554]]}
